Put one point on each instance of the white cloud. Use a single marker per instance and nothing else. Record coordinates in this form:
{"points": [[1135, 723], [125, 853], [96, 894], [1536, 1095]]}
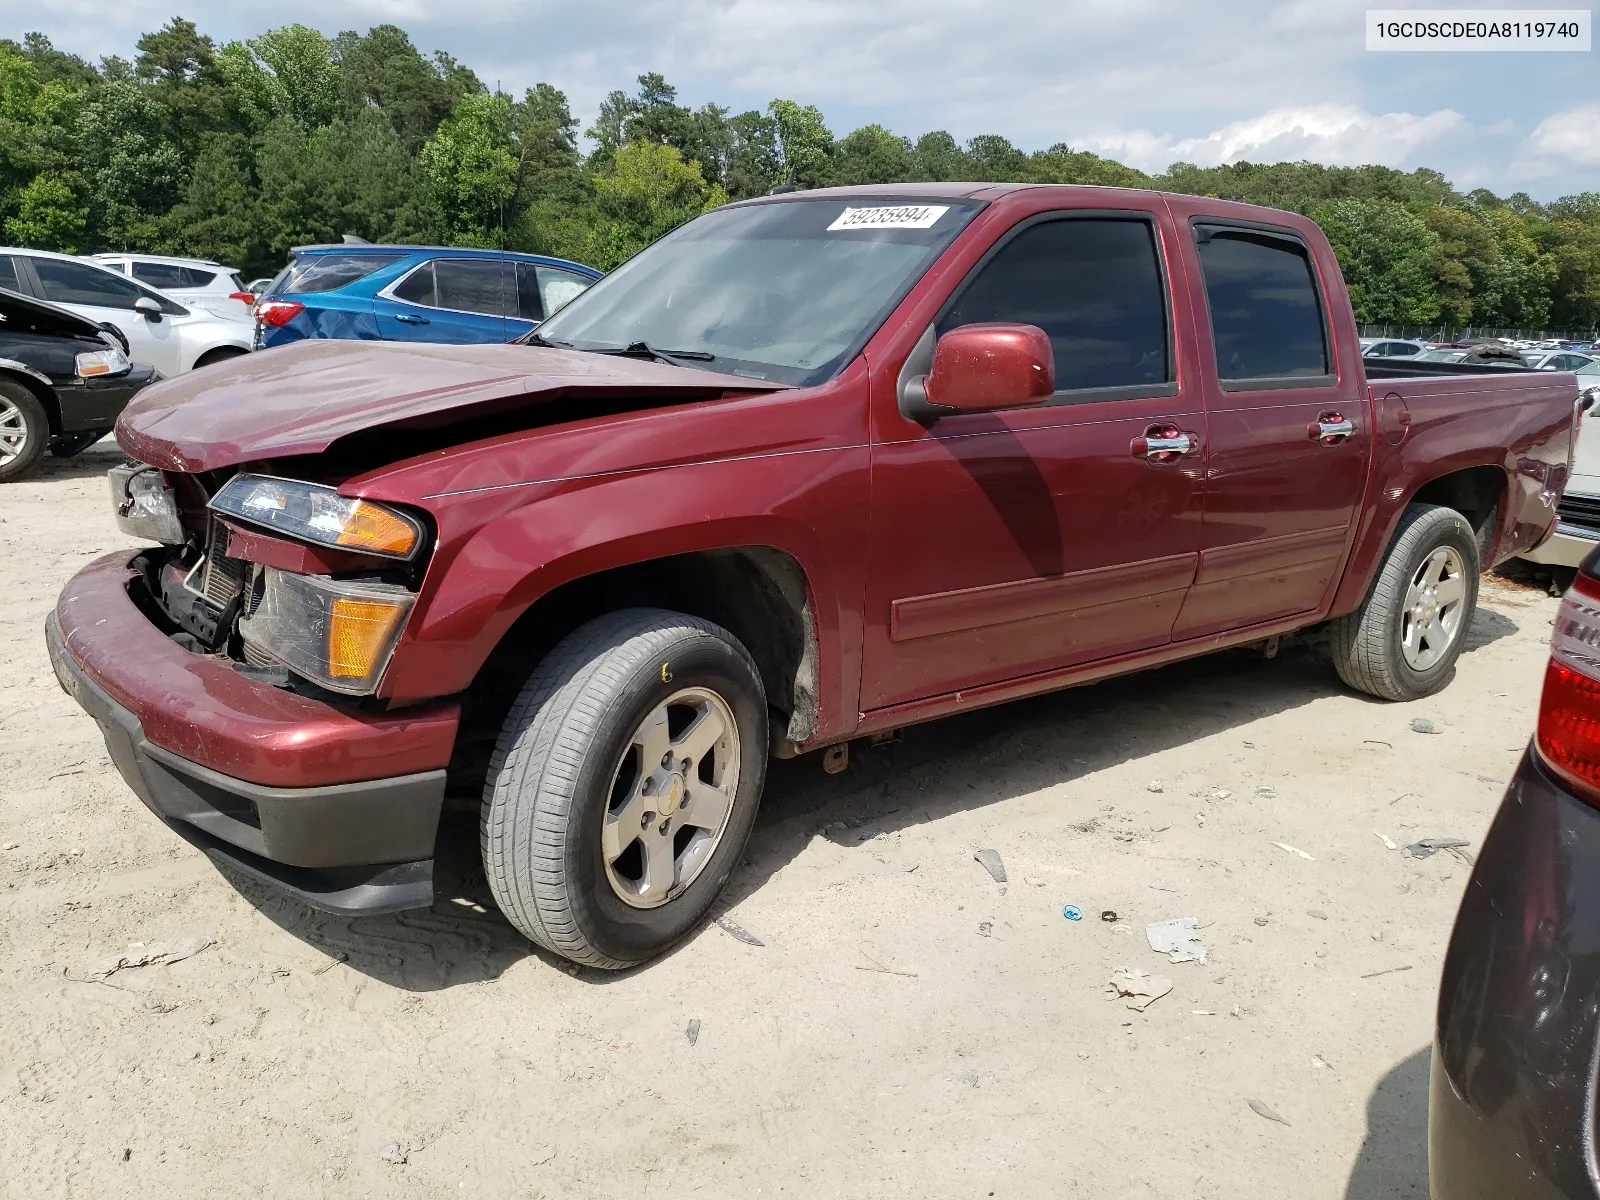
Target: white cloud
{"points": [[1338, 135], [1571, 137]]}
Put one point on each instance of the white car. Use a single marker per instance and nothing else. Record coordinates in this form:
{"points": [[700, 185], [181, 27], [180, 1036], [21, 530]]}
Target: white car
{"points": [[195, 282], [157, 329], [1391, 348], [1578, 512], [1558, 360]]}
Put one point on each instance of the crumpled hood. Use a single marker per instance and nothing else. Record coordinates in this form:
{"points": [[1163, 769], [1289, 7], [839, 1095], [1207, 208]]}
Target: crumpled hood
{"points": [[301, 398]]}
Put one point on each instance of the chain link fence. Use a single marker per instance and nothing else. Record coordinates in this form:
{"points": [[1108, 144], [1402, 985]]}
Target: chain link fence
{"points": [[1457, 333]]}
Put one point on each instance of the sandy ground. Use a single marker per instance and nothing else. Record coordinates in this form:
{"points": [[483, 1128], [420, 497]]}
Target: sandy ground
{"points": [[902, 1032]]}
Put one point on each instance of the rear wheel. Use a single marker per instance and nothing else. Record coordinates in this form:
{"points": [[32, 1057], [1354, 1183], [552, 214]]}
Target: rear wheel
{"points": [[221, 354], [24, 430], [1403, 642], [624, 785]]}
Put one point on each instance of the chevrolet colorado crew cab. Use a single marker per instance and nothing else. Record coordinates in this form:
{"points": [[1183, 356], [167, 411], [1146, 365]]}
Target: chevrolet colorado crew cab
{"points": [[812, 467]]}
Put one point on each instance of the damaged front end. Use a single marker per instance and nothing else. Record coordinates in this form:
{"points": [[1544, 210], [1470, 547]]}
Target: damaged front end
{"points": [[296, 585]]}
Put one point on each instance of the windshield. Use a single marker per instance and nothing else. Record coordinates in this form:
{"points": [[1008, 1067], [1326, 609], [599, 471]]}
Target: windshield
{"points": [[788, 291]]}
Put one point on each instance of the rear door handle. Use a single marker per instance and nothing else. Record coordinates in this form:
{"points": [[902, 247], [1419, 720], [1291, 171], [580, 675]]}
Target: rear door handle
{"points": [[1331, 428], [410, 319], [1164, 444]]}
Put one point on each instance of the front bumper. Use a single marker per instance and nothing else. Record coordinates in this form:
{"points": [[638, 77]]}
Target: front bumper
{"points": [[338, 807], [1511, 1111]]}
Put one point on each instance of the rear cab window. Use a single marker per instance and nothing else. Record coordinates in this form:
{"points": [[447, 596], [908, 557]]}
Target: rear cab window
{"points": [[309, 274], [1268, 322]]}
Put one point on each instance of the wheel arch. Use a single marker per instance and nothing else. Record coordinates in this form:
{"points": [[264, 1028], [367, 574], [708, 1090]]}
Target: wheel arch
{"points": [[39, 385], [760, 593]]}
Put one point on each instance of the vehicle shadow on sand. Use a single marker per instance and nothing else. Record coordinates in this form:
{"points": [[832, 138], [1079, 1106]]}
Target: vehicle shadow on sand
{"points": [[934, 770], [1393, 1161]]}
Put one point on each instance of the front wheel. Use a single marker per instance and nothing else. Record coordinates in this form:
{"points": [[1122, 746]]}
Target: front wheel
{"points": [[1403, 642], [624, 785], [24, 430]]}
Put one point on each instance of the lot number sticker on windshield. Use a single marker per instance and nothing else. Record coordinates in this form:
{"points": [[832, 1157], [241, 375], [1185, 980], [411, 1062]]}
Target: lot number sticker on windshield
{"points": [[901, 216]]}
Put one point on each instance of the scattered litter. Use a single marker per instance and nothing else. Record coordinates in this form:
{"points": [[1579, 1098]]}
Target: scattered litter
{"points": [[1267, 793], [970, 1078], [1376, 742], [333, 962], [138, 954], [1072, 912], [738, 932], [1377, 935], [1432, 845], [992, 864], [1261, 1110], [1236, 1011], [9, 846], [1221, 794], [1110, 915], [127, 1153], [985, 928], [1261, 920], [1390, 971], [1316, 914], [1489, 779], [1249, 745], [1141, 989], [1201, 1012], [1320, 1063], [1122, 927], [1422, 725], [1388, 843], [1176, 939], [1154, 786], [879, 967], [1292, 850], [1402, 796], [1156, 887], [692, 1030], [1032, 882], [396, 1153]]}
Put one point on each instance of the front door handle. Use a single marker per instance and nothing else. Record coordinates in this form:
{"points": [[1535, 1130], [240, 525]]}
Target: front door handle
{"points": [[1331, 428], [1164, 444], [410, 319]]}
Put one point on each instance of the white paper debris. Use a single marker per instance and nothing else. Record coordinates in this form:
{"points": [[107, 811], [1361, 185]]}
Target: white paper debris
{"points": [[1176, 939]]}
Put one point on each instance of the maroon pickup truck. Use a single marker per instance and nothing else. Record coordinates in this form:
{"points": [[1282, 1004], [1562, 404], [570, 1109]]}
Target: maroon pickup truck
{"points": [[812, 467]]}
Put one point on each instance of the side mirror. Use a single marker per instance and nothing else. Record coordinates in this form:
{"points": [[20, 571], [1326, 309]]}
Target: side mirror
{"points": [[989, 366], [147, 307]]}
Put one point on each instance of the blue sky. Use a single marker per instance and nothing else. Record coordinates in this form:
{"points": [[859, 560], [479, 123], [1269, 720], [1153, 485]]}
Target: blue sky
{"points": [[1144, 81]]}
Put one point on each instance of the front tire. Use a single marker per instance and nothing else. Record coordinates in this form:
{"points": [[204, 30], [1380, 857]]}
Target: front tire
{"points": [[1403, 642], [624, 785], [24, 430]]}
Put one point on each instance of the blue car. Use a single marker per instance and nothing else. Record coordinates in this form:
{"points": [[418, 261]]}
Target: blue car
{"points": [[413, 294]]}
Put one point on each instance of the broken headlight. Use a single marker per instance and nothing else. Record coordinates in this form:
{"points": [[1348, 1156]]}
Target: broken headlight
{"points": [[311, 512], [336, 633], [145, 504]]}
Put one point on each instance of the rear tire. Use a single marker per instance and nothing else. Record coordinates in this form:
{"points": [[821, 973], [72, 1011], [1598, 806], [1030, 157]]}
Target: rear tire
{"points": [[1403, 642], [597, 845], [24, 430]]}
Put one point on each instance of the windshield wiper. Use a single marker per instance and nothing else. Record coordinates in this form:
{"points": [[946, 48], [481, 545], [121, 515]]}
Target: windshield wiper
{"points": [[534, 338], [646, 350]]}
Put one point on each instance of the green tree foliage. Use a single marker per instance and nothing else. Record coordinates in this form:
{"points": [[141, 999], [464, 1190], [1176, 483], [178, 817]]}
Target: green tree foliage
{"points": [[649, 191], [1387, 257], [242, 151], [471, 171]]}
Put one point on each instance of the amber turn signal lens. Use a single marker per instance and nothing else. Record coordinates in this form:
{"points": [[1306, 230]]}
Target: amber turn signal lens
{"points": [[369, 527], [358, 632]]}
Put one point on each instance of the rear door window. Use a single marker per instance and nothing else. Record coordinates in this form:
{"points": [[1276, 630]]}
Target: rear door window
{"points": [[474, 285], [313, 273], [1266, 315], [1094, 285], [170, 275]]}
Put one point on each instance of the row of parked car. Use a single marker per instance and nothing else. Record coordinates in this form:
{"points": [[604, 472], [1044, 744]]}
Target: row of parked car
{"points": [[1550, 355], [80, 336]]}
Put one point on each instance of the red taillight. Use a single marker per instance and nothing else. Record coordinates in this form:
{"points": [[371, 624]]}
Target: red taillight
{"points": [[278, 313], [246, 297], [1569, 711]]}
